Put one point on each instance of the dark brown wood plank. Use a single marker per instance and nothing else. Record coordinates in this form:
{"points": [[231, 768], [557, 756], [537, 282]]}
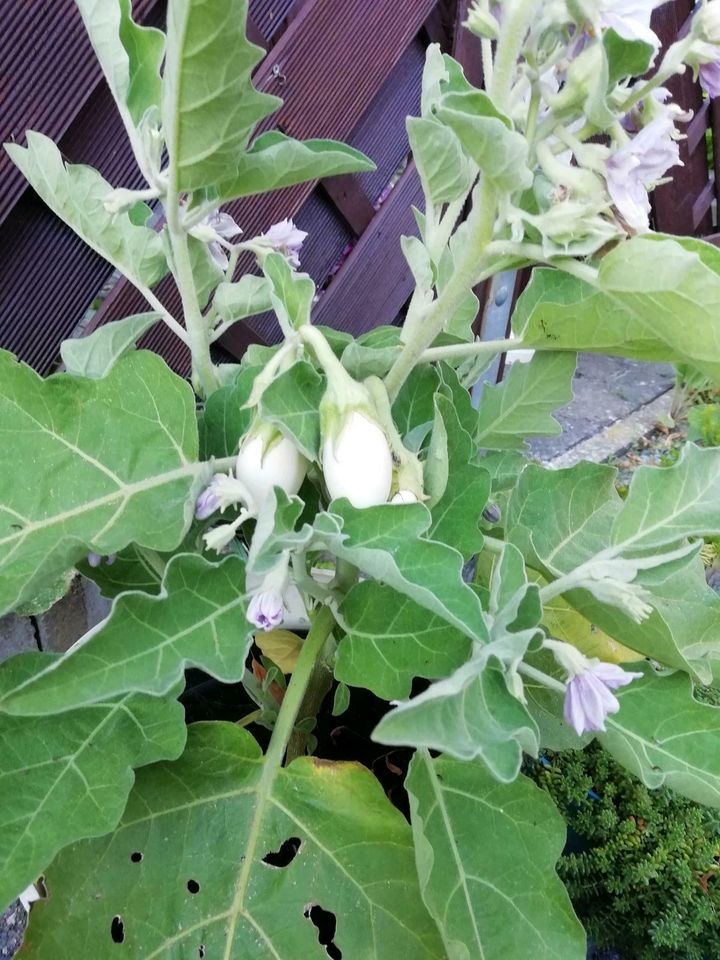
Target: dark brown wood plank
{"points": [[375, 282]]}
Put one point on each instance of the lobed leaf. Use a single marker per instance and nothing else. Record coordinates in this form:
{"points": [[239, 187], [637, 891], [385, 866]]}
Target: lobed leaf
{"points": [[390, 640], [94, 356], [64, 778], [209, 105], [146, 643], [275, 161], [91, 465], [486, 855], [76, 194], [522, 405], [235, 864]]}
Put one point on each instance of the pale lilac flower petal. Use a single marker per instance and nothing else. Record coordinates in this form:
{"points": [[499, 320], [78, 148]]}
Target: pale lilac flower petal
{"points": [[207, 503], [614, 676], [287, 239], [218, 255], [630, 19], [710, 78], [266, 610], [588, 702], [94, 559], [224, 225], [638, 166]]}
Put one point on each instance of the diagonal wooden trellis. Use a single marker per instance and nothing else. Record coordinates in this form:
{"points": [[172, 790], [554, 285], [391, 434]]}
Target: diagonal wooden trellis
{"points": [[348, 69]]}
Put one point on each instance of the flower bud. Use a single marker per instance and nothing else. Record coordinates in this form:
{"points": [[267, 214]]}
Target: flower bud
{"points": [[266, 610], [357, 462], [706, 22], [268, 459], [482, 22]]}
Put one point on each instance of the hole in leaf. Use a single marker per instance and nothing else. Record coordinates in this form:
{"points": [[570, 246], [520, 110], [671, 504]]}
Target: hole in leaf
{"points": [[193, 887], [326, 924], [285, 855], [117, 930], [136, 857], [201, 951]]}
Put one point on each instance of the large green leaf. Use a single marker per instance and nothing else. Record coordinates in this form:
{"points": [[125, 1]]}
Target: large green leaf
{"points": [[209, 105], [445, 171], [131, 569], [94, 356], [199, 885], [291, 293], [198, 619], [656, 298], [76, 194], [663, 506], [414, 407], [65, 778], [470, 714], [275, 161], [388, 543], [456, 512], [665, 736], [390, 640], [91, 465], [130, 56], [225, 417], [522, 405], [292, 402], [487, 138], [486, 855], [560, 519]]}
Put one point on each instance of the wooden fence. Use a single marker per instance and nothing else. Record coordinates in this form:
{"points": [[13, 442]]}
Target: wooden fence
{"points": [[347, 69]]}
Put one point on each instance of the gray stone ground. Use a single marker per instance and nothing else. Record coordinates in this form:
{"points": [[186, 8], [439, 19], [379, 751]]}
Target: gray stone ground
{"points": [[615, 402]]}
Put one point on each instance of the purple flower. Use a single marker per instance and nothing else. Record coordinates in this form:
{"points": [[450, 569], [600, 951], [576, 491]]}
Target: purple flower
{"points": [[639, 165], [266, 610], [710, 78], [285, 238], [588, 696], [207, 503], [96, 559]]}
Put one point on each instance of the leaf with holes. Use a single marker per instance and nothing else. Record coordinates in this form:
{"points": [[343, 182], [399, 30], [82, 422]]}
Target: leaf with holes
{"points": [[197, 619], [76, 194], [292, 402], [522, 405], [93, 356], [391, 640], [486, 855], [275, 161], [209, 105], [130, 56], [240, 866], [388, 543], [666, 737], [103, 463], [63, 778]]}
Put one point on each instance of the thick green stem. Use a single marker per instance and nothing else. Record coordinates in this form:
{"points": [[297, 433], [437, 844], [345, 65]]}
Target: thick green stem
{"points": [[516, 23], [294, 695], [478, 348], [481, 223], [318, 685], [198, 338], [542, 678]]}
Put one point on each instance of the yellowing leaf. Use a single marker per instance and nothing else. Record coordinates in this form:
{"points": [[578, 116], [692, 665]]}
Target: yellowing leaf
{"points": [[282, 647]]}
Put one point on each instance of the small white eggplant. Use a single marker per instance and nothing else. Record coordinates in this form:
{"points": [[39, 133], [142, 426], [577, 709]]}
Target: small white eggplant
{"points": [[357, 463], [262, 466]]}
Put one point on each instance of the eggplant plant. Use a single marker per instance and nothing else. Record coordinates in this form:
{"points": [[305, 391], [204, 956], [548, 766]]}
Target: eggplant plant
{"points": [[302, 519]]}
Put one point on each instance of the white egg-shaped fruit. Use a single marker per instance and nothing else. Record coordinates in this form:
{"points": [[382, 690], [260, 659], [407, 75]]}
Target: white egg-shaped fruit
{"points": [[358, 463], [282, 466]]}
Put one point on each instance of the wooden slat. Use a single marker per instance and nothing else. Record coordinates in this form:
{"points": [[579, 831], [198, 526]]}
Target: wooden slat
{"points": [[375, 282]]}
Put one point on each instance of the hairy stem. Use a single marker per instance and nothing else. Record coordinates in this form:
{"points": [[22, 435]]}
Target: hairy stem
{"points": [[294, 695], [197, 329], [542, 678], [478, 348], [515, 26]]}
